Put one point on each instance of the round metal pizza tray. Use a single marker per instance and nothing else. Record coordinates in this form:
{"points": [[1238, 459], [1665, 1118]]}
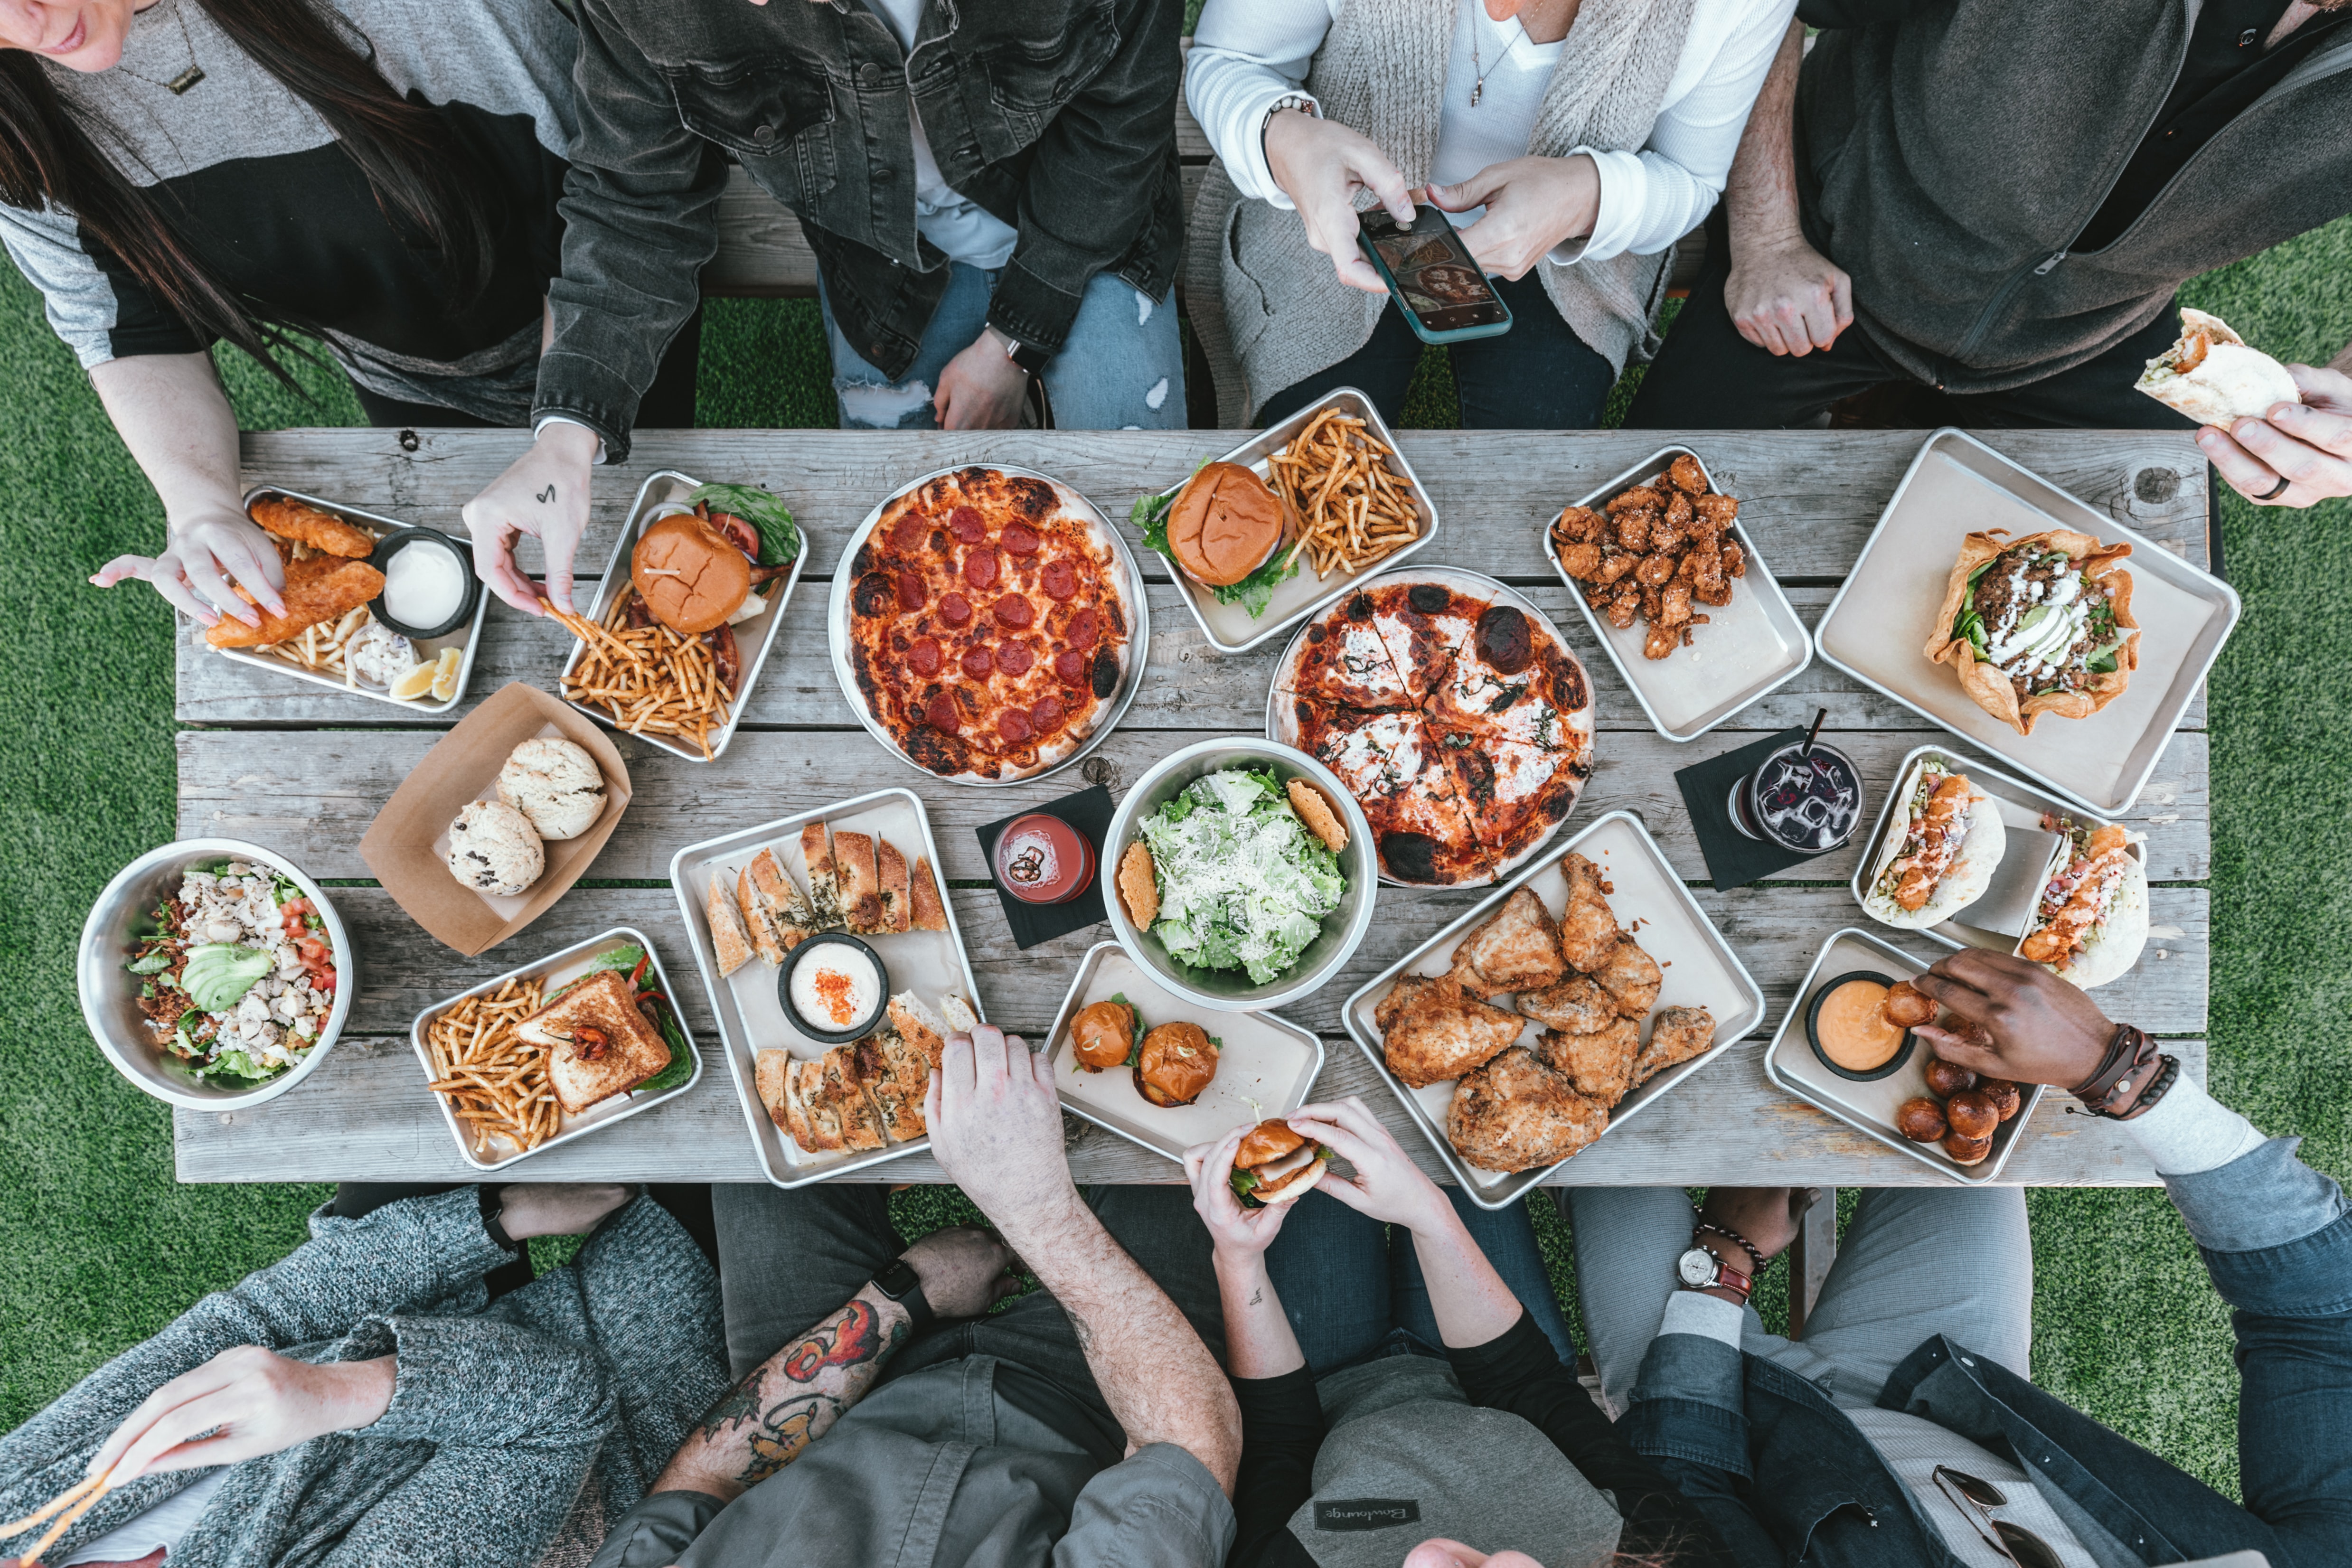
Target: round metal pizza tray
{"points": [[836, 625], [1279, 728]]}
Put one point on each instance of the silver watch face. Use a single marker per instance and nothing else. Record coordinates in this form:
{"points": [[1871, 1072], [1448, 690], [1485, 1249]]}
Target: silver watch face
{"points": [[1697, 1268]]}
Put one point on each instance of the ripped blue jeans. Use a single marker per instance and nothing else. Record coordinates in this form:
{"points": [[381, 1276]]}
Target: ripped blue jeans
{"points": [[1122, 369]]}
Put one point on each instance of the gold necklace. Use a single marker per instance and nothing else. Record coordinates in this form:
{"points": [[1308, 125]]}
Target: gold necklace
{"points": [[179, 85]]}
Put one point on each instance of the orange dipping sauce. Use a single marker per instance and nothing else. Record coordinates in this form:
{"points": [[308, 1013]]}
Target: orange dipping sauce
{"points": [[1853, 1027]]}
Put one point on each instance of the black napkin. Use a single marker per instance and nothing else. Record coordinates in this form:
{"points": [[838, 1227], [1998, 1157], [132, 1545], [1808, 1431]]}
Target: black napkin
{"points": [[1090, 813], [1733, 859]]}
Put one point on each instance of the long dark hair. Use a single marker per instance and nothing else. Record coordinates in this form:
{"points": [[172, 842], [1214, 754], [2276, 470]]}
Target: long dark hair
{"points": [[422, 183]]}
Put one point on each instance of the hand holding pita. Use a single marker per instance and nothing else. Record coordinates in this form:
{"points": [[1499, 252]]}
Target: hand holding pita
{"points": [[2309, 444]]}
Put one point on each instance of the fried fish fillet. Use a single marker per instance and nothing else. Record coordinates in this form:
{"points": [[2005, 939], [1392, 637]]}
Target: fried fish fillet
{"points": [[291, 519], [1679, 1034], [1516, 1114], [324, 588], [1576, 1006], [1599, 1064], [1516, 948], [1631, 976], [1588, 930], [1433, 1032]]}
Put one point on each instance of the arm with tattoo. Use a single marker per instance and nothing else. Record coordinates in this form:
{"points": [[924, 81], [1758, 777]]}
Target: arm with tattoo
{"points": [[788, 1400]]}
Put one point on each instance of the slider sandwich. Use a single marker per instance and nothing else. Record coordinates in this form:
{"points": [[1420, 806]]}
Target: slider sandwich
{"points": [[1276, 1163], [1938, 855]]}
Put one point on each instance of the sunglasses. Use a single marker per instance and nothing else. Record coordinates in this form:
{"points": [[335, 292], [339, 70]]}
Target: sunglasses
{"points": [[1976, 1499]]}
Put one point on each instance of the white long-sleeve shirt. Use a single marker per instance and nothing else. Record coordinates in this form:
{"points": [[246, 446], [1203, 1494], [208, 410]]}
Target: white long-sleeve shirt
{"points": [[1246, 53]]}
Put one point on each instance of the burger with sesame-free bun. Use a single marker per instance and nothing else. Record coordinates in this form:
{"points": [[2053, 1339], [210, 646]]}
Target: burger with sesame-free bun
{"points": [[712, 559], [1276, 1163]]}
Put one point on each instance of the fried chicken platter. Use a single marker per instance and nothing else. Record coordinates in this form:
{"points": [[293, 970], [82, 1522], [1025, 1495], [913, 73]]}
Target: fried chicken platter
{"points": [[1523, 1033]]}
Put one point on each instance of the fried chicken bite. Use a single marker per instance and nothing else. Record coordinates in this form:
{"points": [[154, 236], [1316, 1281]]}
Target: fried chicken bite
{"points": [[1662, 641], [1715, 513], [1676, 606], [1639, 496], [1599, 1064], [1515, 949], [1580, 561], [1625, 607], [1679, 1034], [1656, 570], [1634, 527], [1514, 1114], [1616, 564], [1588, 929], [1578, 524], [1432, 1030], [1576, 1006], [1684, 474], [1735, 559], [1631, 976]]}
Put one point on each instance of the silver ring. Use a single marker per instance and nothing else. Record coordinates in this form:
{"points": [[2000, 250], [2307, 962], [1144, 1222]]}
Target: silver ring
{"points": [[2275, 491]]}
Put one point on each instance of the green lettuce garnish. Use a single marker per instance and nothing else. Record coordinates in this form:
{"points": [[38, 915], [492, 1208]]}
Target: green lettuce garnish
{"points": [[780, 536]]}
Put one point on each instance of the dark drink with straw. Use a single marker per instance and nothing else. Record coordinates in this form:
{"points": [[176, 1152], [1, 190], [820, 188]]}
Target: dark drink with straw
{"points": [[1805, 797]]}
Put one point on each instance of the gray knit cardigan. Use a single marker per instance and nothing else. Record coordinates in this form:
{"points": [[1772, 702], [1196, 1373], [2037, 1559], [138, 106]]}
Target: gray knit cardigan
{"points": [[517, 1430]]}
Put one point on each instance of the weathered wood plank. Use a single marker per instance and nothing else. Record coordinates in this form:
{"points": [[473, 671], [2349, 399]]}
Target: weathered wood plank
{"points": [[366, 1116], [1186, 684], [312, 793], [1775, 929]]}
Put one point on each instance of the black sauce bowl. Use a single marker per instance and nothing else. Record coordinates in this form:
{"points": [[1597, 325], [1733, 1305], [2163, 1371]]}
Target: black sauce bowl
{"points": [[391, 545], [1886, 1069], [808, 1026]]}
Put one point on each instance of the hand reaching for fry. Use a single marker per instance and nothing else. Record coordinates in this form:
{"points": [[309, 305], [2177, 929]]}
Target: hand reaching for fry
{"points": [[254, 1402]]}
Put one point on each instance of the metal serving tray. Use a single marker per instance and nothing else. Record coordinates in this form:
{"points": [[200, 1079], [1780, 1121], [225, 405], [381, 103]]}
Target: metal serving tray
{"points": [[561, 969], [1701, 970], [1880, 621], [1282, 718], [1267, 1065], [1869, 1107], [2021, 805], [1228, 627], [753, 638], [751, 1019], [1756, 640], [469, 636], [837, 627]]}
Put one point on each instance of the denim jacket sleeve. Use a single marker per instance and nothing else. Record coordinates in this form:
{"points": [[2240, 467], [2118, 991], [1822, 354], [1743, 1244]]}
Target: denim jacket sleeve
{"points": [[1094, 178], [640, 212]]}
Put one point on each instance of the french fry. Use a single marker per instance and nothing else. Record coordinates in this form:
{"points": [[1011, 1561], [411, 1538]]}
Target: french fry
{"points": [[647, 679], [1353, 507]]}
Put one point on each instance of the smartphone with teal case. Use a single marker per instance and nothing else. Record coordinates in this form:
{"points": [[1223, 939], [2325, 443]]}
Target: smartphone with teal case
{"points": [[1446, 295]]}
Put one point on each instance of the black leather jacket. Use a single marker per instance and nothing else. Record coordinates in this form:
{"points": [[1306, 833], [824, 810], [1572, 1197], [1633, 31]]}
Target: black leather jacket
{"points": [[1058, 115]]}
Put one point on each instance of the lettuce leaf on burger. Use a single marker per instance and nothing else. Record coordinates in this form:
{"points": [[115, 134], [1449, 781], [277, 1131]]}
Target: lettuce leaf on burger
{"points": [[1276, 1163]]}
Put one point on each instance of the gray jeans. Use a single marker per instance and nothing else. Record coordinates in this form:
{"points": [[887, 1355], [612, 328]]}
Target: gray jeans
{"points": [[1916, 1261]]}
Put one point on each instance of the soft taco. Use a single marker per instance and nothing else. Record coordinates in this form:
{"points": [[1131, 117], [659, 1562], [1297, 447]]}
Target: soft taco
{"points": [[2214, 377], [2091, 920], [1939, 852], [2041, 624]]}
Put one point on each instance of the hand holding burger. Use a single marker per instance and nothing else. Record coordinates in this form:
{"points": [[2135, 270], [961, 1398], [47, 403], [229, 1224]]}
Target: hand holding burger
{"points": [[1238, 1235], [1387, 1185]]}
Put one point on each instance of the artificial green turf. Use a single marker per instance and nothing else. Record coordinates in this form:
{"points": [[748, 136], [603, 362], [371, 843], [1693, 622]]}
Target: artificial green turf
{"points": [[102, 1247]]}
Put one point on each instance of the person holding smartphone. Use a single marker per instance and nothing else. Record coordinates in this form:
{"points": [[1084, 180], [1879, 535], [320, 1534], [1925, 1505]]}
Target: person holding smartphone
{"points": [[1570, 146]]}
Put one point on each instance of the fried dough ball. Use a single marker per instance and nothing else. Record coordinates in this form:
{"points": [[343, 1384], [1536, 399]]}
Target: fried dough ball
{"points": [[1971, 1114], [1920, 1119], [1948, 1078], [2007, 1098], [1966, 1151], [1907, 1007], [1684, 474]]}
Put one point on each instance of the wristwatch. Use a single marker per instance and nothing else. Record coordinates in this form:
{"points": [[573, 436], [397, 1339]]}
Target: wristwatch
{"points": [[1028, 356], [1700, 1270], [903, 1285]]}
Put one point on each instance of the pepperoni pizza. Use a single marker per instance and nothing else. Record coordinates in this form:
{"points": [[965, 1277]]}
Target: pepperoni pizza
{"points": [[1458, 719], [988, 623]]}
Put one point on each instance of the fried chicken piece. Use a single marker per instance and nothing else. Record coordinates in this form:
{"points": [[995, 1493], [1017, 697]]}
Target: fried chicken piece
{"points": [[1588, 930], [1662, 641], [1580, 561], [1653, 603], [1433, 1032], [1639, 496], [324, 588], [1631, 976], [1617, 563], [1576, 1006], [1634, 527], [1676, 608], [1514, 1114], [1626, 605], [1516, 948], [290, 519], [1735, 559], [1684, 474], [1599, 1064], [1578, 524], [1679, 1034], [1715, 513], [1656, 570]]}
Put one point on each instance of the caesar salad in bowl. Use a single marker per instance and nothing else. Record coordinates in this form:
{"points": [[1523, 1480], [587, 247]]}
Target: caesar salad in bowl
{"points": [[1240, 872]]}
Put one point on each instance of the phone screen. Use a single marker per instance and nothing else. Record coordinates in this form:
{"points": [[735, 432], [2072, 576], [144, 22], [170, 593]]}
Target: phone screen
{"points": [[1434, 277]]}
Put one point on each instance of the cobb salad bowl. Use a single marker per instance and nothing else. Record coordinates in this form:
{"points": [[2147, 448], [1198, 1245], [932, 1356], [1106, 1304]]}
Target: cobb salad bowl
{"points": [[1341, 930], [124, 914]]}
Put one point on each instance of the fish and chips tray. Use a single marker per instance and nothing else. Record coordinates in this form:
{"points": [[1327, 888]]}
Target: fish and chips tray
{"points": [[930, 962], [1869, 1104], [1231, 628], [754, 637], [317, 656], [1877, 627], [478, 1068], [1632, 1012], [1267, 1065], [1748, 646]]}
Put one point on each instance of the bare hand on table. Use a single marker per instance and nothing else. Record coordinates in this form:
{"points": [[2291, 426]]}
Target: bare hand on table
{"points": [[2308, 443], [254, 1402], [1533, 204], [203, 555], [996, 1130], [981, 388], [2044, 1031], [1320, 165], [1785, 296], [543, 494]]}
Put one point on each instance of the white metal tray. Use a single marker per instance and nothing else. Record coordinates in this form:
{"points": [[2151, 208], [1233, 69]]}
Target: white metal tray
{"points": [[1267, 1065], [753, 638], [1876, 628], [1700, 970], [1869, 1107], [559, 969], [752, 1018]]}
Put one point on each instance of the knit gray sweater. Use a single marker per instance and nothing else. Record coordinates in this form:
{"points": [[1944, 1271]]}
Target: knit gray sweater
{"points": [[517, 1430]]}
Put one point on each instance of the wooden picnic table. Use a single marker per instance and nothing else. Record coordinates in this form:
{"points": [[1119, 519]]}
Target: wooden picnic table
{"points": [[304, 771]]}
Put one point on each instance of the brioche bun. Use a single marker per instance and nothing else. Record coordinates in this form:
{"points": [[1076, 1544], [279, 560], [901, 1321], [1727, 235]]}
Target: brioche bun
{"points": [[692, 575], [1225, 522]]}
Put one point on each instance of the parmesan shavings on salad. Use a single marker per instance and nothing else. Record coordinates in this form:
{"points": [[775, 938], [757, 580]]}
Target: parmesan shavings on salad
{"points": [[1242, 883]]}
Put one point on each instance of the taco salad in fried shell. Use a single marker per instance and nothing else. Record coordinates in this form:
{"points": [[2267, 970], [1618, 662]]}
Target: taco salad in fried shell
{"points": [[2037, 625]]}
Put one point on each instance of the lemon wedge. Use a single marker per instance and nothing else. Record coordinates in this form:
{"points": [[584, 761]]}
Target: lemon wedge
{"points": [[444, 673], [413, 682]]}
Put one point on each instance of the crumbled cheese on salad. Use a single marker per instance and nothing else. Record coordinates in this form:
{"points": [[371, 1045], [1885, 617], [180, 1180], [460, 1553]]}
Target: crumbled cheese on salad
{"points": [[1242, 883]]}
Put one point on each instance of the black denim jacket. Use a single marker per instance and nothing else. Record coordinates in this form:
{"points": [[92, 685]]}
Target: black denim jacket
{"points": [[1058, 115]]}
